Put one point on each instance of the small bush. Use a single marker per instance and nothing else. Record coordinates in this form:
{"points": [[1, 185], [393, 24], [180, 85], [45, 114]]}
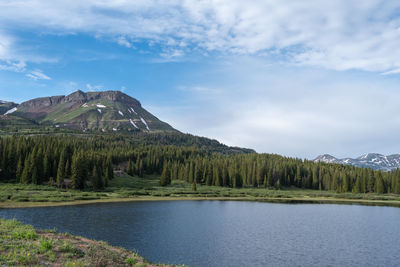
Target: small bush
{"points": [[68, 247], [27, 234], [27, 259], [131, 261], [46, 245]]}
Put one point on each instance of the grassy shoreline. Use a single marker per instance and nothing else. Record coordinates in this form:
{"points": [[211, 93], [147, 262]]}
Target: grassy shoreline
{"points": [[127, 188], [23, 245]]}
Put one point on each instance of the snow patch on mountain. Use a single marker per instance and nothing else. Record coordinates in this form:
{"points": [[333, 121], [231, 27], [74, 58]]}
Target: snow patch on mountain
{"points": [[10, 111], [145, 123], [134, 124]]}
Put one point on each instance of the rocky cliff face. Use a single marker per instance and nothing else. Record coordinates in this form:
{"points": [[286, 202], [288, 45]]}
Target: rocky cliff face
{"points": [[81, 97]]}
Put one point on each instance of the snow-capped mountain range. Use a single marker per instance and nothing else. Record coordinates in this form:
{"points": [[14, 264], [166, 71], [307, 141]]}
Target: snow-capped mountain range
{"points": [[371, 160]]}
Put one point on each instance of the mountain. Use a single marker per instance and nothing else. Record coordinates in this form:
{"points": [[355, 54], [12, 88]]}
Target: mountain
{"points": [[108, 111], [6, 106], [371, 160], [111, 113]]}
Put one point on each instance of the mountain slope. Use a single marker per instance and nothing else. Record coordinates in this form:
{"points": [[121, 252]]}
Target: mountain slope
{"points": [[6, 107], [371, 160], [99, 111]]}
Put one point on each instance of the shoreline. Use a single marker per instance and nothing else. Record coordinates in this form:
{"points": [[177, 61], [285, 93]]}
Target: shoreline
{"points": [[31, 246], [280, 200]]}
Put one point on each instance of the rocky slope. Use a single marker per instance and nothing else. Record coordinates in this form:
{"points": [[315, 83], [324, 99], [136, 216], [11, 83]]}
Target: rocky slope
{"points": [[6, 106], [371, 160], [108, 111]]}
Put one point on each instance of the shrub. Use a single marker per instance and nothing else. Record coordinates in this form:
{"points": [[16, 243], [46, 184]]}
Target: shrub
{"points": [[68, 247], [24, 233], [46, 244], [131, 261]]}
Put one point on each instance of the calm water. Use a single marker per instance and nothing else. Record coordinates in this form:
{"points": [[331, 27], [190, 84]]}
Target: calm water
{"points": [[216, 233]]}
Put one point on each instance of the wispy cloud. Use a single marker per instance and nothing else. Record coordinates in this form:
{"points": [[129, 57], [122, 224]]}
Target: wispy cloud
{"points": [[394, 71], [92, 88], [122, 40], [339, 35], [16, 66], [37, 75], [12, 60]]}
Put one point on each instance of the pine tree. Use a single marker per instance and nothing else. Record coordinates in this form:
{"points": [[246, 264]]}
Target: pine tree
{"points": [[26, 174], [61, 171], [78, 171], [194, 186], [357, 186], [165, 176], [19, 170], [380, 186], [46, 167], [278, 185], [67, 170], [97, 181], [130, 168], [35, 179]]}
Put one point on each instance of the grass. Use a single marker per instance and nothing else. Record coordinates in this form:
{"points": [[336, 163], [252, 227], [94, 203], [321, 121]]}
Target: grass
{"points": [[31, 247], [128, 188]]}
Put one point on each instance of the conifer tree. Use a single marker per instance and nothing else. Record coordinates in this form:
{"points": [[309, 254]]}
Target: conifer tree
{"points": [[130, 168], [61, 171], [78, 171], [97, 181], [194, 186], [165, 176], [26, 176], [19, 170]]}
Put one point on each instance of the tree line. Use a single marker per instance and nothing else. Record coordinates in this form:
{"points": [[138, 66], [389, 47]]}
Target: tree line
{"points": [[38, 160], [89, 162]]}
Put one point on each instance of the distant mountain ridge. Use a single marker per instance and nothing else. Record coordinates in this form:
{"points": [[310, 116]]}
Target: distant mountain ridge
{"points": [[370, 160], [106, 111]]}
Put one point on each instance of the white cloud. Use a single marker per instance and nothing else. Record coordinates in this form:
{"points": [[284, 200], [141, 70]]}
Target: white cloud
{"points": [[7, 60], [339, 35], [11, 59], [93, 88], [10, 65], [299, 112], [37, 75], [394, 71], [124, 42]]}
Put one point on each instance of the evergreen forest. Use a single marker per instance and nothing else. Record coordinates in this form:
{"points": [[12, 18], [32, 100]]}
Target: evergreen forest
{"points": [[90, 162]]}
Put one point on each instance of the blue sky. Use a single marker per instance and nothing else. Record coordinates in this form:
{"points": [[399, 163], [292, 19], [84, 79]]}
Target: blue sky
{"points": [[297, 78]]}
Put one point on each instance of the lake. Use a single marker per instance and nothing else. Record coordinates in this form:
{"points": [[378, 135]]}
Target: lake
{"points": [[233, 233]]}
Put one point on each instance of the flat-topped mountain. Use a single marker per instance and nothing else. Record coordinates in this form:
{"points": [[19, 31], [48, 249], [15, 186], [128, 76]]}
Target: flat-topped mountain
{"points": [[371, 160], [103, 111]]}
